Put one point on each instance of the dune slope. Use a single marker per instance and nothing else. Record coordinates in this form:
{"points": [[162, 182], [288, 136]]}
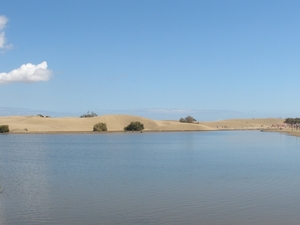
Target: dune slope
{"points": [[25, 124]]}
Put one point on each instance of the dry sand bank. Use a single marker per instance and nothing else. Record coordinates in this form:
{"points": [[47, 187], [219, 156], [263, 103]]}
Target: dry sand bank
{"points": [[116, 123], [237, 124], [288, 131], [292, 132]]}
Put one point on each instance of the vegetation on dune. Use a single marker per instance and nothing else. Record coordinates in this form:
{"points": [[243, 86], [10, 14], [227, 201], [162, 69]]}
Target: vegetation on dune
{"points": [[188, 119], [88, 114], [4, 128], [100, 127], [134, 126], [292, 120], [40, 115]]}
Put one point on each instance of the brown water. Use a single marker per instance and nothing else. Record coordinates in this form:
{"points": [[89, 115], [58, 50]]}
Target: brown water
{"points": [[150, 178]]}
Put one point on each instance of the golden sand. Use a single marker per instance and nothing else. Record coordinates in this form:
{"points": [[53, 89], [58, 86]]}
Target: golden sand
{"points": [[36, 124]]}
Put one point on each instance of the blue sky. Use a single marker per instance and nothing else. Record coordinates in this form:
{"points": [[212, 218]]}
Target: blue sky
{"points": [[159, 59]]}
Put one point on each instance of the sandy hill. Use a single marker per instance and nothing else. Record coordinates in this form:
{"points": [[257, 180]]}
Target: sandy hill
{"points": [[19, 124], [245, 123]]}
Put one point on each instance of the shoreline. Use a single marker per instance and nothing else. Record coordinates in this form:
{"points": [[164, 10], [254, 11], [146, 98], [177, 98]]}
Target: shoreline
{"points": [[116, 123], [144, 131], [286, 132], [295, 133]]}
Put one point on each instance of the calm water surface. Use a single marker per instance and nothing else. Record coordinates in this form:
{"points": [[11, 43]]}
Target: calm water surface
{"points": [[209, 178]]}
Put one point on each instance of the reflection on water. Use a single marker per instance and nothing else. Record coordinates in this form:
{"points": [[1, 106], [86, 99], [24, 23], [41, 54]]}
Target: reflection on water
{"points": [[150, 178]]}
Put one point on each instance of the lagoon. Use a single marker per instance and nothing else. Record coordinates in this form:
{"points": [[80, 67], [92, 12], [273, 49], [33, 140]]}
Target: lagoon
{"points": [[217, 177]]}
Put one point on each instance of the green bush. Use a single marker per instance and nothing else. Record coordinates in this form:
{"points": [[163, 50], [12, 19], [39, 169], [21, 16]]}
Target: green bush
{"points": [[292, 120], [188, 119], [100, 127], [4, 128], [40, 115], [134, 126], [89, 114]]}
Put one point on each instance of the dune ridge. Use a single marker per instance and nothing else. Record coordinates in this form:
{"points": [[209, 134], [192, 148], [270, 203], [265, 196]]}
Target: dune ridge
{"points": [[116, 123]]}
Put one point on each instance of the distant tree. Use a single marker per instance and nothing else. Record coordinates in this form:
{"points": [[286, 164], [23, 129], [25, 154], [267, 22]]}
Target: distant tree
{"points": [[292, 120], [93, 114], [40, 115], [134, 126], [182, 120], [4, 128], [88, 114], [100, 127], [188, 119], [289, 120]]}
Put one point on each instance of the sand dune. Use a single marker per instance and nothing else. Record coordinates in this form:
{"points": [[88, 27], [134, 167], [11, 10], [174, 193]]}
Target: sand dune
{"points": [[29, 124], [167, 125], [245, 123]]}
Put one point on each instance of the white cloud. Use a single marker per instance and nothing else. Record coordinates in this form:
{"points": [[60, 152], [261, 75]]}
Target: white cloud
{"points": [[27, 73], [2, 39], [3, 21]]}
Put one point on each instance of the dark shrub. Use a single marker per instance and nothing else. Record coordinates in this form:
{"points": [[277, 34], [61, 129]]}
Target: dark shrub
{"points": [[292, 120], [4, 128], [182, 120], [88, 114], [188, 119], [100, 127], [134, 126]]}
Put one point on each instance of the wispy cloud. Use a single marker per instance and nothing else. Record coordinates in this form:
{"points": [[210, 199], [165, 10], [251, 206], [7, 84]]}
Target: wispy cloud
{"points": [[3, 22], [27, 73], [10, 111], [184, 112], [176, 113]]}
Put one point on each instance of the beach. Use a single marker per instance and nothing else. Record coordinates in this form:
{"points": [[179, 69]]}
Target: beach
{"points": [[116, 123]]}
